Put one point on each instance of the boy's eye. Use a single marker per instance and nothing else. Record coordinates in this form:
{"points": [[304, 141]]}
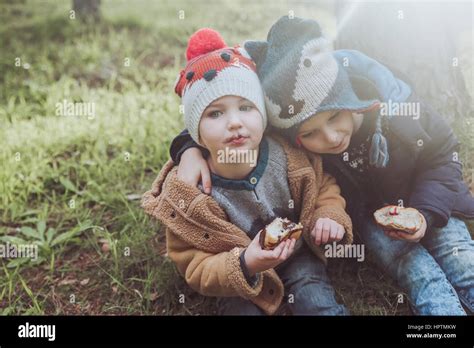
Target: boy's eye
{"points": [[214, 114], [334, 116], [307, 135], [245, 108]]}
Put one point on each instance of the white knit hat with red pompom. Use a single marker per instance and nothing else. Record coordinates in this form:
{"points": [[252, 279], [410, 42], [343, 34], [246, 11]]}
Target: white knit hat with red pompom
{"points": [[214, 70]]}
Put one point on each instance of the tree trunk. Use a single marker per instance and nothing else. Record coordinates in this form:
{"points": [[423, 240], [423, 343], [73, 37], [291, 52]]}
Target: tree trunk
{"points": [[87, 10], [422, 40]]}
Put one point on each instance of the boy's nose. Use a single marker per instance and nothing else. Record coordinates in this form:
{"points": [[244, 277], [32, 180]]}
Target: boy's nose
{"points": [[234, 121], [331, 136]]}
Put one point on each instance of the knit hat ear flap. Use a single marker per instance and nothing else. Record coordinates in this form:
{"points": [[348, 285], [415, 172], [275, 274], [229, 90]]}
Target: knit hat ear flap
{"points": [[257, 50]]}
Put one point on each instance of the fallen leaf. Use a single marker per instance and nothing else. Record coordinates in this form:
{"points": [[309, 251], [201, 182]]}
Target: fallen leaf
{"points": [[67, 281], [105, 247], [153, 296], [85, 281], [134, 196], [138, 292]]}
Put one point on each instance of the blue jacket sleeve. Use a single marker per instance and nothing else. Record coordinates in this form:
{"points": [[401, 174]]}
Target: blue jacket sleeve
{"points": [[438, 173]]}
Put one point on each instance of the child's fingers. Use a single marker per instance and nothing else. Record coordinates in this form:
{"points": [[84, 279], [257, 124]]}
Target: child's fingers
{"points": [[292, 246], [184, 177], [256, 239], [408, 237], [400, 235], [206, 180], [403, 235], [333, 232], [393, 235], [340, 233], [318, 237], [326, 229], [284, 253], [275, 253], [289, 242], [318, 231]]}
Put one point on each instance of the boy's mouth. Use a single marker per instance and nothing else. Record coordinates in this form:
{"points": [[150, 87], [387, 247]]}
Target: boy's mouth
{"points": [[236, 140], [338, 145]]}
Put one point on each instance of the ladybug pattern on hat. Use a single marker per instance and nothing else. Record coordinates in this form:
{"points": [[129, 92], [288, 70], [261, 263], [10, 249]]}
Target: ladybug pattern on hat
{"points": [[215, 70], [208, 66]]}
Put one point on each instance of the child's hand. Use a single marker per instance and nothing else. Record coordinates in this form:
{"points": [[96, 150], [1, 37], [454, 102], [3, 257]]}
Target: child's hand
{"points": [[414, 238], [194, 167], [326, 230], [259, 260]]}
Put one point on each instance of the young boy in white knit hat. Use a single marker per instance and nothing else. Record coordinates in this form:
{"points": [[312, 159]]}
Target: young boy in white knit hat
{"points": [[214, 240]]}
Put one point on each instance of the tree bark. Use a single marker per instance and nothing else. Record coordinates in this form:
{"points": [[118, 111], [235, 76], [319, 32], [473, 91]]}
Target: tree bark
{"points": [[87, 10]]}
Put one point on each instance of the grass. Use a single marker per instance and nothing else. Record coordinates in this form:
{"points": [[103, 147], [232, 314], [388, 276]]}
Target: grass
{"points": [[71, 185]]}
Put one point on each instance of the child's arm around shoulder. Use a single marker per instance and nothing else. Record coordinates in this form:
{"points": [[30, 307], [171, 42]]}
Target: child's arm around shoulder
{"points": [[329, 201]]}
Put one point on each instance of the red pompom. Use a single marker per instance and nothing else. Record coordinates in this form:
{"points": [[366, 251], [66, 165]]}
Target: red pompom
{"points": [[204, 41]]}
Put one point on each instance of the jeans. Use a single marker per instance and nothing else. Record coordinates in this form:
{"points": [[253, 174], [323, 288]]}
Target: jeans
{"points": [[306, 285], [437, 273]]}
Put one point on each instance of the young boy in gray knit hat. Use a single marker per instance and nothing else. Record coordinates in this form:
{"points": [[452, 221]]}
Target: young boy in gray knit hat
{"points": [[215, 242], [384, 147]]}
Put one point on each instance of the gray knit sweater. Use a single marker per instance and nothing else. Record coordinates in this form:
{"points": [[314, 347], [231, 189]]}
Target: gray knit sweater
{"points": [[260, 197]]}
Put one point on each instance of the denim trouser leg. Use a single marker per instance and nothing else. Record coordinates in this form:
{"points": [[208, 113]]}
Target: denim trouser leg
{"points": [[304, 277], [415, 270], [453, 248], [237, 306]]}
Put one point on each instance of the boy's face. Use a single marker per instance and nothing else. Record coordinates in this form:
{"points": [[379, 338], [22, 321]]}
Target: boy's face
{"points": [[327, 133], [232, 122]]}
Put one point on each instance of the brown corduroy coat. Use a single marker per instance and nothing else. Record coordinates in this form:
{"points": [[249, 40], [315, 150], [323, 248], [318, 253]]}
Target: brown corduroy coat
{"points": [[206, 247]]}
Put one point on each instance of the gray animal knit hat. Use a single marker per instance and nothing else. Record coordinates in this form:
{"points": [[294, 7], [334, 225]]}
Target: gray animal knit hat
{"points": [[301, 78]]}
